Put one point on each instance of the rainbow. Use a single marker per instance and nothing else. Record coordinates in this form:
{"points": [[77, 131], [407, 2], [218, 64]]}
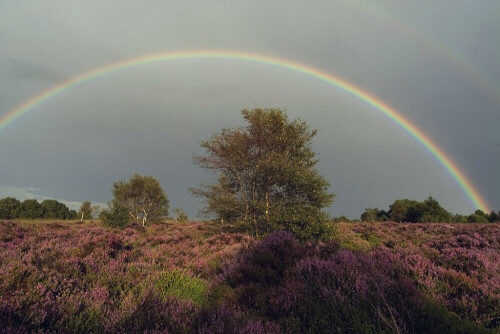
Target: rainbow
{"points": [[473, 195], [451, 56]]}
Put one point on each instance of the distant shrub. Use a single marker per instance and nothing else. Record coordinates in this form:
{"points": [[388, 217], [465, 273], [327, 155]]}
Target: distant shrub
{"points": [[116, 216]]}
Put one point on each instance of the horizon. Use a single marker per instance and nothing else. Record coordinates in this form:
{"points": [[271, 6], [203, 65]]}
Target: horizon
{"points": [[440, 75]]}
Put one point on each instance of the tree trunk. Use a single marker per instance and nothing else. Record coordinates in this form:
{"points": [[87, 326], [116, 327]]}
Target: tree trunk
{"points": [[254, 212], [144, 218], [244, 197], [267, 205]]}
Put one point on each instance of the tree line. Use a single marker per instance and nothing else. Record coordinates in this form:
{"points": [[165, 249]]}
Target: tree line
{"points": [[427, 211], [11, 208]]}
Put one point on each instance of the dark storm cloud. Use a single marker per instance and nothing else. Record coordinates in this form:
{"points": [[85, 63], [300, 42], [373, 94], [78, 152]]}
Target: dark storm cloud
{"points": [[150, 119]]}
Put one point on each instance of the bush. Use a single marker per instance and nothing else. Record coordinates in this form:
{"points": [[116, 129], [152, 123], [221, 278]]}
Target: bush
{"points": [[116, 216]]}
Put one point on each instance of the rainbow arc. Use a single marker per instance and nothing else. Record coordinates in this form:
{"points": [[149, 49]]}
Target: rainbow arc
{"points": [[452, 168]]}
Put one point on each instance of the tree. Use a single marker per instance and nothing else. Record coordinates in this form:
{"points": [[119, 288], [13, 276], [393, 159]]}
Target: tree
{"points": [[266, 175], [493, 216], [458, 218], [30, 209], [341, 219], [142, 196], [370, 215], [404, 210], [399, 211], [476, 218], [56, 210], [9, 208], [96, 211], [115, 216], [430, 211], [221, 199], [181, 216], [85, 211]]}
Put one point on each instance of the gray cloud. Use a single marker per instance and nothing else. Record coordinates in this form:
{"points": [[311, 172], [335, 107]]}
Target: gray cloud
{"points": [[150, 119]]}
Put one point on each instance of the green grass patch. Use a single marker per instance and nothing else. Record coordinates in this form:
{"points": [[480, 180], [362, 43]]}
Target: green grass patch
{"points": [[177, 283]]}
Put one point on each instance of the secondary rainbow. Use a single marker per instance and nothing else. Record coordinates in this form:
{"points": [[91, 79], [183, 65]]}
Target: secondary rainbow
{"points": [[473, 195]]}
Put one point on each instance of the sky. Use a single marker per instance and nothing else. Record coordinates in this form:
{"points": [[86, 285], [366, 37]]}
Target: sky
{"points": [[434, 62]]}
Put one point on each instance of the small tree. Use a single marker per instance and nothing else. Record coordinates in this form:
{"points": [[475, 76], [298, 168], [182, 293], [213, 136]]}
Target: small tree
{"points": [[142, 196], [115, 216], [181, 216], [85, 211]]}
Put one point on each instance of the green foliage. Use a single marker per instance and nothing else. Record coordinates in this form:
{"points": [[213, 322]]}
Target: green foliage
{"points": [[475, 218], [460, 218], [178, 284], [266, 176], [430, 211], [9, 208], [494, 217], [181, 216], [30, 209], [55, 210], [374, 215], [85, 211], [115, 216], [402, 210], [142, 196], [405, 210], [437, 319], [341, 219]]}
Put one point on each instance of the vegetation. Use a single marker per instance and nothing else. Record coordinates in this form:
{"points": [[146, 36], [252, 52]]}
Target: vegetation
{"points": [[194, 278], [180, 215], [85, 211], [11, 208], [143, 198], [266, 176], [115, 216], [428, 211], [123, 275]]}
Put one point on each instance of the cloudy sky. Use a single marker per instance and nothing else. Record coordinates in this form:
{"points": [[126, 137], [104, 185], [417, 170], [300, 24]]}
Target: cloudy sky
{"points": [[435, 62]]}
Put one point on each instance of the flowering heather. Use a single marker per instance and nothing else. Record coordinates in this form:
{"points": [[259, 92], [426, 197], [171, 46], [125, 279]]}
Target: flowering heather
{"points": [[195, 278], [456, 264], [77, 277]]}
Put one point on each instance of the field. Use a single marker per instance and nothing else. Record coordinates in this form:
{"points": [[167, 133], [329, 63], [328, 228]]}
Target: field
{"points": [[200, 278]]}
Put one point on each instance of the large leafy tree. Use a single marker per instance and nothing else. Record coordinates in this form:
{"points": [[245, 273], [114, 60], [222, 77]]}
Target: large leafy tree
{"points": [[266, 175], [142, 196]]}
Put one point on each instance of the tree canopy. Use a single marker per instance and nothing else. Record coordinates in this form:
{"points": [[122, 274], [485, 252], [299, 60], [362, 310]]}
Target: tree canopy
{"points": [[142, 197], [266, 175], [427, 211], [11, 208]]}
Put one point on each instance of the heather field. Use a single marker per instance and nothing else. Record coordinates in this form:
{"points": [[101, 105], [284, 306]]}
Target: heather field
{"points": [[80, 277]]}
